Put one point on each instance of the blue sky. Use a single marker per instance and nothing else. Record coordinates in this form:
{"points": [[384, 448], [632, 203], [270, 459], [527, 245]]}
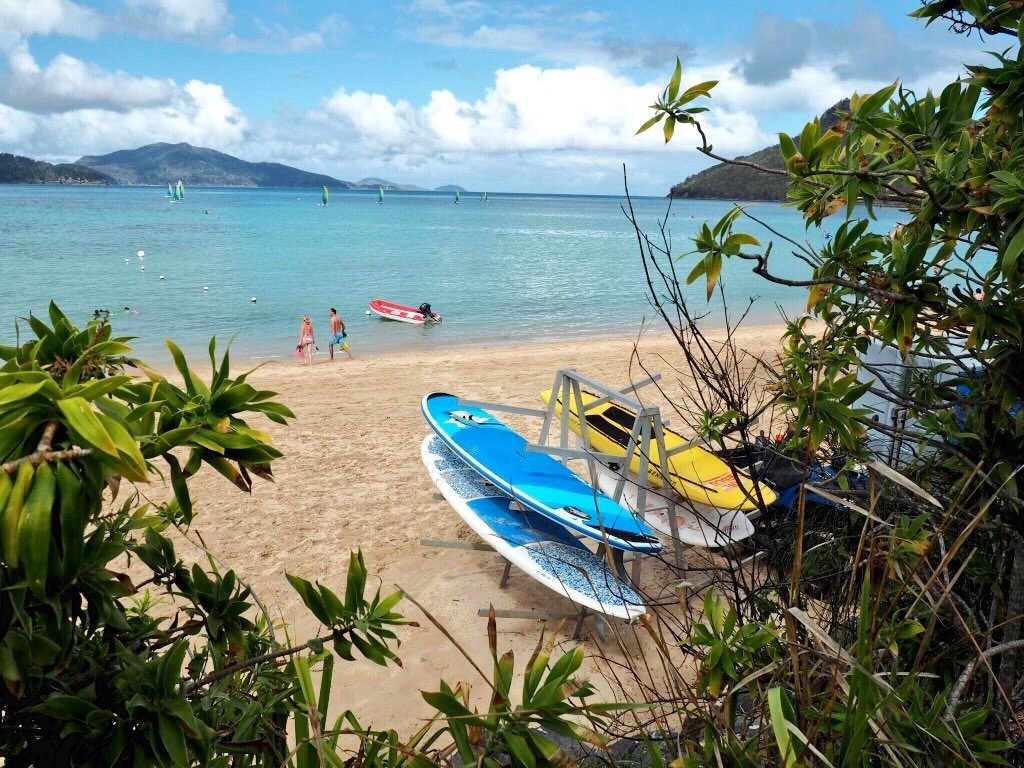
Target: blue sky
{"points": [[502, 96]]}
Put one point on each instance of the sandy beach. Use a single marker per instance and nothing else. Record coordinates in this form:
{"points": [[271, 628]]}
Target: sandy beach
{"points": [[352, 477]]}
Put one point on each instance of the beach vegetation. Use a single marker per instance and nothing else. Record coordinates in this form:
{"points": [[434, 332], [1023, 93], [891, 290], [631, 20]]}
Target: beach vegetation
{"points": [[902, 615], [117, 650], [114, 648]]}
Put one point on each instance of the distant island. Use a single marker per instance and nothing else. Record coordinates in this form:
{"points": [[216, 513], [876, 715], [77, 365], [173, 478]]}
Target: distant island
{"points": [[15, 169], [451, 188], [157, 164], [387, 186], [161, 163], [737, 182]]}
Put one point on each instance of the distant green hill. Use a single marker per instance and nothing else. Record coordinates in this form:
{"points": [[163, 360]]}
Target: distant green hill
{"points": [[198, 166], [15, 169], [736, 182]]}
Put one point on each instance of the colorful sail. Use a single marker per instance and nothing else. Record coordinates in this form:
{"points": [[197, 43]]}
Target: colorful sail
{"points": [[179, 192], [170, 190], [380, 195], [325, 196], [456, 195]]}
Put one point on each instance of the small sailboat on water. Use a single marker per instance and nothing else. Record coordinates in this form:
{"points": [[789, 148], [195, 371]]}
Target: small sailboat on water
{"points": [[456, 196], [170, 190], [380, 195], [484, 198], [179, 191], [325, 196]]}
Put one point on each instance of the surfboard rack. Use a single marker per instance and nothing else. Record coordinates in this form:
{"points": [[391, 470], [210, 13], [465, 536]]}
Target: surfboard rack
{"points": [[647, 433], [579, 616], [648, 427], [600, 623], [568, 387]]}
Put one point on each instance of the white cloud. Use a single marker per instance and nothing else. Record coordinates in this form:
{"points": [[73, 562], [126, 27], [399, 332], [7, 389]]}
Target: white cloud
{"points": [[15, 127], [528, 109], [23, 18], [68, 83], [576, 125], [178, 18], [371, 118], [199, 113]]}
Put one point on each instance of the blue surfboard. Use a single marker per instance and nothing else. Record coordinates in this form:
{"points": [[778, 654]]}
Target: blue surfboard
{"points": [[535, 480], [541, 548]]}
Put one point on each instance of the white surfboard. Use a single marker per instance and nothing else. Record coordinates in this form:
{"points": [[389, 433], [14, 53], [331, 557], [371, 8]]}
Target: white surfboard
{"points": [[539, 547], [699, 525]]}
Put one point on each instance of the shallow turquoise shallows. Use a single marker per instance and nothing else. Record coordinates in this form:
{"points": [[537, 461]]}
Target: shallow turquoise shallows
{"points": [[511, 268]]}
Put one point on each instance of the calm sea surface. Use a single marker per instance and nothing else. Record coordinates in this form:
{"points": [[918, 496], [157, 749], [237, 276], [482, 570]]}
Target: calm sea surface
{"points": [[513, 268]]}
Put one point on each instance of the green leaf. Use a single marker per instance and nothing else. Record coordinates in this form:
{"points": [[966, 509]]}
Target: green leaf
{"points": [[1012, 253], [713, 272], [311, 597], [97, 389], [173, 739], [15, 392], [673, 84], [520, 750], [63, 707], [182, 365], [84, 421], [650, 123], [503, 673], [134, 465], [875, 101], [181, 492], [701, 89], [781, 712], [170, 669], [787, 145], [669, 128], [446, 704], [698, 269], [742, 238]]}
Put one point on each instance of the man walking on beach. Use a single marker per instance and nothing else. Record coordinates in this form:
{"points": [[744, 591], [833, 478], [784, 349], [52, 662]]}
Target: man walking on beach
{"points": [[338, 334]]}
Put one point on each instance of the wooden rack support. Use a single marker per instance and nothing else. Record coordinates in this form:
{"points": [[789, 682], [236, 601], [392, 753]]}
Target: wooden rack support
{"points": [[523, 613]]}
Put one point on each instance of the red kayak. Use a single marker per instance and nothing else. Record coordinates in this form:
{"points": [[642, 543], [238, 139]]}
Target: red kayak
{"points": [[416, 315]]}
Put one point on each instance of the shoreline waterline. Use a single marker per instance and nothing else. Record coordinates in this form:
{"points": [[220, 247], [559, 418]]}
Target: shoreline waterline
{"points": [[199, 359], [246, 265]]}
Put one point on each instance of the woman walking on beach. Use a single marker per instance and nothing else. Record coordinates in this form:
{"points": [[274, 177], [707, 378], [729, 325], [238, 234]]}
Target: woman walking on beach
{"points": [[307, 340]]}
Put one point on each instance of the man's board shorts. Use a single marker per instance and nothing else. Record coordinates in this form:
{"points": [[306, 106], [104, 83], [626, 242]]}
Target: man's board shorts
{"points": [[337, 339]]}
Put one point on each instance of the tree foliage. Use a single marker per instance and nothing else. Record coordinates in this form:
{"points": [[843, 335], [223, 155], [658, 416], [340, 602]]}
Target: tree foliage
{"points": [[944, 289], [114, 651]]}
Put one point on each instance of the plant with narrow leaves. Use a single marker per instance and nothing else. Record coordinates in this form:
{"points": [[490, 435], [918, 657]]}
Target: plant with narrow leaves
{"points": [[513, 730], [673, 105], [731, 650], [182, 668], [943, 290]]}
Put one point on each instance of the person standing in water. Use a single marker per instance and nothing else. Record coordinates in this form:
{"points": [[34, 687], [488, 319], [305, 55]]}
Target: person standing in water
{"points": [[338, 335], [307, 340]]}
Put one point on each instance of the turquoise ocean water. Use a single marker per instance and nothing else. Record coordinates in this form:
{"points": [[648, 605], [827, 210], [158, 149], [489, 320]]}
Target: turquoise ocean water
{"points": [[513, 268]]}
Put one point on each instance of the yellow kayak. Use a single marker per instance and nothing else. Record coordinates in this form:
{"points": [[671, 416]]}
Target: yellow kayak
{"points": [[696, 474]]}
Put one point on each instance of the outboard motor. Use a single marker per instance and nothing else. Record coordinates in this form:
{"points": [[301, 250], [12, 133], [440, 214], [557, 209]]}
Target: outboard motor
{"points": [[425, 311]]}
